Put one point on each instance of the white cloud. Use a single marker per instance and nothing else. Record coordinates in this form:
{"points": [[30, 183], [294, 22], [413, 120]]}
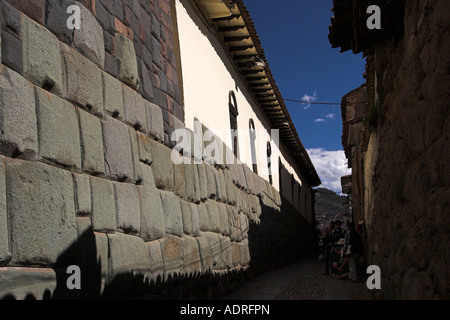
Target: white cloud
{"points": [[330, 116], [330, 166], [309, 98], [319, 120]]}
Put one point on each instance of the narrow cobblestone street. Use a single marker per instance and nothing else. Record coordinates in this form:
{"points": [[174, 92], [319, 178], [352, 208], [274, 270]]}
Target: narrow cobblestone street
{"points": [[303, 280]]}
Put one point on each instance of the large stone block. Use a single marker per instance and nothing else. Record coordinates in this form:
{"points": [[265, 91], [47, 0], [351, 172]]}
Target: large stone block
{"points": [[191, 257], [153, 225], [118, 153], [145, 149], [236, 254], [128, 215], [34, 9], [224, 221], [234, 221], [231, 188], [186, 215], [205, 252], [157, 266], [93, 159], [245, 253], [129, 260], [195, 220], [126, 61], [226, 253], [172, 252], [203, 217], [41, 212], [42, 62], [83, 81], [214, 215], [56, 19], [5, 254], [211, 181], [22, 283], [179, 180], [82, 186], [214, 244], [103, 205], [162, 166], [18, 124], [203, 181], [172, 213], [135, 113], [89, 38], [59, 136], [113, 96], [155, 123], [137, 174]]}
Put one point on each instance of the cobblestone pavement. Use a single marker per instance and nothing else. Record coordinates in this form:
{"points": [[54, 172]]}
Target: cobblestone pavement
{"points": [[303, 280]]}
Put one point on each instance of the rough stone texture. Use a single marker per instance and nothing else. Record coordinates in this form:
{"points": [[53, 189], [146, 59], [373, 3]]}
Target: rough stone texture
{"points": [[91, 144], [224, 221], [214, 216], [179, 187], [145, 149], [172, 213], [135, 113], [191, 256], [407, 205], [59, 136], [203, 181], [216, 254], [21, 283], [137, 174], [153, 225], [18, 134], [42, 63], [128, 215], [204, 218], [113, 96], [155, 121], [103, 205], [195, 219], [126, 61], [118, 154], [5, 254], [226, 255], [56, 19], [172, 251], [89, 38], [205, 252], [186, 215], [82, 186], [83, 81], [129, 258], [41, 211], [162, 166], [157, 266], [211, 181]]}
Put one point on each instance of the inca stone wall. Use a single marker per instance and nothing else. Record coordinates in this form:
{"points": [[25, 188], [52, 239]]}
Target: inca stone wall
{"points": [[407, 172], [86, 174]]}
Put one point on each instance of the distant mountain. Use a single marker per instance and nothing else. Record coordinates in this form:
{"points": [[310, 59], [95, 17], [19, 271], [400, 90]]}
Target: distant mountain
{"points": [[328, 206]]}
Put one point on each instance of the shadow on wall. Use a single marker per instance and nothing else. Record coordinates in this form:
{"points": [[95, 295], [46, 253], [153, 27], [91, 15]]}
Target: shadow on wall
{"points": [[277, 238]]}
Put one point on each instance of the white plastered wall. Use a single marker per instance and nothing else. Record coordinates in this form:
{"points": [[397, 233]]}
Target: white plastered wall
{"points": [[208, 75]]}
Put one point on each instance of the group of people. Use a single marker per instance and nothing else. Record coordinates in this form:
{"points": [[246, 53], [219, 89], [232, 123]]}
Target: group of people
{"points": [[342, 250]]}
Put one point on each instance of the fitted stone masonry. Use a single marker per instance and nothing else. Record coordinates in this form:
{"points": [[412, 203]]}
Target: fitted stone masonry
{"points": [[86, 171]]}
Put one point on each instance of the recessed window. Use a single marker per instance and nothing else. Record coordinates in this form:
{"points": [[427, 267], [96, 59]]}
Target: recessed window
{"points": [[233, 109], [252, 134], [269, 162]]}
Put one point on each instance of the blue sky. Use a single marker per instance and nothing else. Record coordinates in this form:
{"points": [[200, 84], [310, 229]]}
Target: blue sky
{"points": [[294, 35]]}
